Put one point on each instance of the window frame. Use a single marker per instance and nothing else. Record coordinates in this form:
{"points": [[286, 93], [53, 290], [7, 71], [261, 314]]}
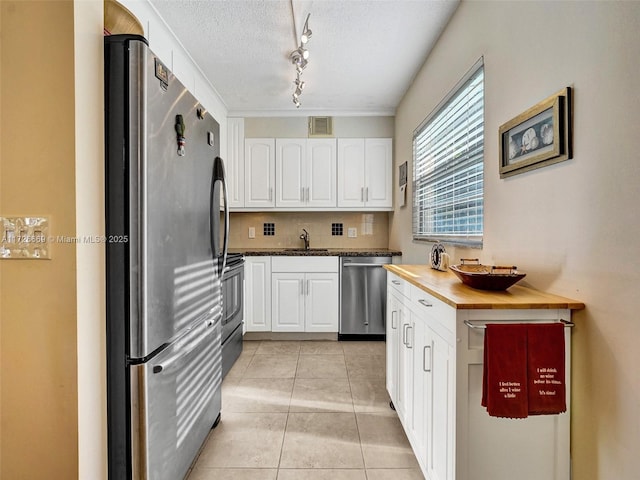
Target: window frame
{"points": [[467, 239]]}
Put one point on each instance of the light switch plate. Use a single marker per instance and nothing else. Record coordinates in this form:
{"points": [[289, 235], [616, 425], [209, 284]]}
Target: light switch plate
{"points": [[352, 232], [25, 238], [252, 232]]}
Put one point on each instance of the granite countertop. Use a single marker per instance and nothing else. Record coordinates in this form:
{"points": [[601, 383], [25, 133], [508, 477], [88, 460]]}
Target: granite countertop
{"points": [[318, 252], [448, 288]]}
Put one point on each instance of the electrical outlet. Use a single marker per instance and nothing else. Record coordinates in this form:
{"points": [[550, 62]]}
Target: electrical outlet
{"points": [[352, 232], [252, 232]]}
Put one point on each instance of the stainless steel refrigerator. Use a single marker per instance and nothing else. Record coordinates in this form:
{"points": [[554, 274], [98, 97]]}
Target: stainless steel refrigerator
{"points": [[165, 257]]}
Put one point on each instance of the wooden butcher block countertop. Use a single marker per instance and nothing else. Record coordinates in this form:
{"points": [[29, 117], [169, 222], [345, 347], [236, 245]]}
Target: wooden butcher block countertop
{"points": [[448, 288]]}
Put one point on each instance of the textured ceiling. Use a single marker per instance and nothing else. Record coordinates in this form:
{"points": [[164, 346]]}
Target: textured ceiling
{"points": [[363, 53]]}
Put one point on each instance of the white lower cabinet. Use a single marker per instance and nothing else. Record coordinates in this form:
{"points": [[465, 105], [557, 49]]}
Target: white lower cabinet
{"points": [[422, 389], [304, 294], [321, 302], [434, 379], [287, 302], [439, 378], [392, 329], [257, 294]]}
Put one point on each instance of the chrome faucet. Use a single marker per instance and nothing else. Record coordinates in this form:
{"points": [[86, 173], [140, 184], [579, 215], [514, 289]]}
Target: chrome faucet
{"points": [[305, 236]]}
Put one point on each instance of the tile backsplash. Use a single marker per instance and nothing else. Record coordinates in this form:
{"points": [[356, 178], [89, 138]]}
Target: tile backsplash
{"points": [[371, 229]]}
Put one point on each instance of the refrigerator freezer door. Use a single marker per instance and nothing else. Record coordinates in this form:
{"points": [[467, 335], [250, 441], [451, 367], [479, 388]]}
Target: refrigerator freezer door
{"points": [[181, 386], [173, 272]]}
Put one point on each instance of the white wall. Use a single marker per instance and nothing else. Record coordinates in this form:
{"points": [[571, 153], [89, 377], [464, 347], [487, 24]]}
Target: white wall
{"points": [[298, 127], [90, 273], [572, 227]]}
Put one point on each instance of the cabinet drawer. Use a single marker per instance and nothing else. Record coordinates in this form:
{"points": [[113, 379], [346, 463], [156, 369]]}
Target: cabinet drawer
{"points": [[304, 264], [399, 285], [434, 311]]}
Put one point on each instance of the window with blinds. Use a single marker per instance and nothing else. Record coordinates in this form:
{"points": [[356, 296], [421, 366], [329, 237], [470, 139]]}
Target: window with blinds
{"points": [[448, 152]]}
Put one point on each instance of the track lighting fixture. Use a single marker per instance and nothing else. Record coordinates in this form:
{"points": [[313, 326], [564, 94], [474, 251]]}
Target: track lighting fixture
{"points": [[299, 58]]}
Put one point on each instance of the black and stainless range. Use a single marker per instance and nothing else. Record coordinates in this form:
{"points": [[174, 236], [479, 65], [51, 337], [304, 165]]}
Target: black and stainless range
{"points": [[233, 310]]}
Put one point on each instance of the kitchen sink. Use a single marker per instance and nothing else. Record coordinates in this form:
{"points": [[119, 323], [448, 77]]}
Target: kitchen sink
{"points": [[306, 250]]}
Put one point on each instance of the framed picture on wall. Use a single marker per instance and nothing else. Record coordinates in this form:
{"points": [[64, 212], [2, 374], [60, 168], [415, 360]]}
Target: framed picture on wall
{"points": [[402, 183], [537, 137]]}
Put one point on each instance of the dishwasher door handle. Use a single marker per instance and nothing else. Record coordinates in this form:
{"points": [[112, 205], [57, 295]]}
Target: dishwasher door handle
{"points": [[368, 265]]}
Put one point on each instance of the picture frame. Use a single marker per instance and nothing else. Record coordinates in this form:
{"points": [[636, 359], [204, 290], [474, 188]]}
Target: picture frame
{"points": [[540, 136]]}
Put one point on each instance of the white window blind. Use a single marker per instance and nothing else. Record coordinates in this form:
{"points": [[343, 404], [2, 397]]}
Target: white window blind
{"points": [[448, 153]]}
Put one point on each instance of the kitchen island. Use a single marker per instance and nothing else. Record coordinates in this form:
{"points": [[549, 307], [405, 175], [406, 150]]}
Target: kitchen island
{"points": [[435, 341]]}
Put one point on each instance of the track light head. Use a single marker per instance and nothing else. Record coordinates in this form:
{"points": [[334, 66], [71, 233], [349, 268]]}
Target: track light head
{"points": [[306, 31], [301, 65]]}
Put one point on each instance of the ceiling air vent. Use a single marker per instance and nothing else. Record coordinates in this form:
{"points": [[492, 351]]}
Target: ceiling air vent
{"points": [[320, 126]]}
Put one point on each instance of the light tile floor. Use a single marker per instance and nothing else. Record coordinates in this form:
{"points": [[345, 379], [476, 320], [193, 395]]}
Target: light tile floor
{"points": [[310, 410]]}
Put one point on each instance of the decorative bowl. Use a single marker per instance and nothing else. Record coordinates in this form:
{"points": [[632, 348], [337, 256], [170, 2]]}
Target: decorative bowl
{"points": [[485, 277]]}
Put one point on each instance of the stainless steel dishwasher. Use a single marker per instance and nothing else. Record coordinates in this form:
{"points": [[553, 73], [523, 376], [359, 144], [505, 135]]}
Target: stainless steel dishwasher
{"points": [[363, 297]]}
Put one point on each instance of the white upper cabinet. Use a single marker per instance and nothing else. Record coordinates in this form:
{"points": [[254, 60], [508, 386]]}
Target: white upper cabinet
{"points": [[310, 173], [260, 172], [351, 172], [305, 173], [378, 172], [234, 163], [321, 172], [365, 173], [291, 159]]}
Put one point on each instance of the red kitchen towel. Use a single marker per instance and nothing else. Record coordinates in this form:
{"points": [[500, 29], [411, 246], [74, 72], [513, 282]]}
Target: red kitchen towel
{"points": [[504, 385], [546, 372]]}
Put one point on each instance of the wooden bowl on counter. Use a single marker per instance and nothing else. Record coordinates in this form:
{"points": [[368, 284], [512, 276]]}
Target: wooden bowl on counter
{"points": [[485, 277]]}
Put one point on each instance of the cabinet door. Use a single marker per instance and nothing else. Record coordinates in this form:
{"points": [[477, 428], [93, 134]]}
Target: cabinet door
{"points": [[404, 406], [378, 172], [321, 302], [287, 309], [351, 172], [439, 406], [418, 425], [321, 173], [291, 172], [393, 341], [257, 281], [234, 164], [259, 169]]}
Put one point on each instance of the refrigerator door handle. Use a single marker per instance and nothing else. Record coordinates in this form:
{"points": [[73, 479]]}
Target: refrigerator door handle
{"points": [[219, 176], [225, 245], [175, 359]]}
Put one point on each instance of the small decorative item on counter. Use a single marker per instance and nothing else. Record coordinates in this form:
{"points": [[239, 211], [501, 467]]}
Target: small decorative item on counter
{"points": [[484, 277], [439, 259]]}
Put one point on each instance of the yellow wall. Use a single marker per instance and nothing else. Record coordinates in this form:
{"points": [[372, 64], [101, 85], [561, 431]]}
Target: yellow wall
{"points": [[574, 226], [38, 298]]}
